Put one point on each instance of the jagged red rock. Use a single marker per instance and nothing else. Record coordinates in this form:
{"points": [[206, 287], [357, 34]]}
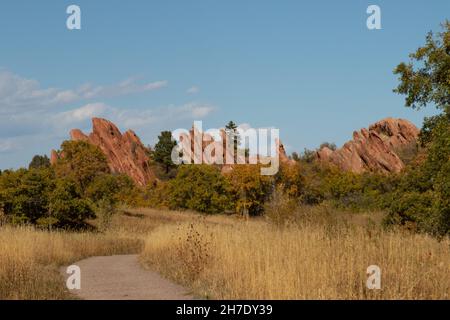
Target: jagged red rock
{"points": [[374, 149], [125, 152]]}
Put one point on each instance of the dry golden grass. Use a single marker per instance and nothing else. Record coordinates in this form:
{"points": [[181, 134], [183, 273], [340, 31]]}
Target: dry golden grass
{"points": [[307, 260], [30, 258], [322, 254]]}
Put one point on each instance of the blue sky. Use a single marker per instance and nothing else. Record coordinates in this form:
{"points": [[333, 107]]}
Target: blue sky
{"points": [[311, 69]]}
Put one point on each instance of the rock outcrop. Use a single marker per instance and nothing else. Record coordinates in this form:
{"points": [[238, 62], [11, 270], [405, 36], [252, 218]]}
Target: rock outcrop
{"points": [[375, 149], [125, 152], [218, 150]]}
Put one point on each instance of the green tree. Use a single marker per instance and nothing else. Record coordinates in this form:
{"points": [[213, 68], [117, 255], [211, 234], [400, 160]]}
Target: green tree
{"points": [[233, 138], [67, 207], [201, 188], [425, 78], [81, 162], [422, 198], [163, 151], [39, 162], [24, 194], [112, 188]]}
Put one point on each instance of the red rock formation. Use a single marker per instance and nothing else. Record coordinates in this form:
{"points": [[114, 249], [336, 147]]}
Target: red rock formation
{"points": [[282, 154], [125, 152], [200, 141], [375, 149]]}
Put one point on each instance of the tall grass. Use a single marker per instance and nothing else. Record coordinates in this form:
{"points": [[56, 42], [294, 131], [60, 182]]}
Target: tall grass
{"points": [[255, 260], [29, 259]]}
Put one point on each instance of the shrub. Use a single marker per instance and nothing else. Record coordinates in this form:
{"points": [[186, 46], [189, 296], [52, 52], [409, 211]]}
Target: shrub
{"points": [[250, 189], [67, 207], [201, 188], [112, 188], [24, 194], [81, 162], [291, 179], [422, 196], [39, 162]]}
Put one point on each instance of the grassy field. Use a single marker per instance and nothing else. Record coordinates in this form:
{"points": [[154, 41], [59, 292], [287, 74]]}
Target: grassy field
{"points": [[310, 259], [321, 254], [30, 258]]}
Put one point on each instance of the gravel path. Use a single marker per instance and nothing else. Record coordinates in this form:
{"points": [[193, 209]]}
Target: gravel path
{"points": [[121, 277]]}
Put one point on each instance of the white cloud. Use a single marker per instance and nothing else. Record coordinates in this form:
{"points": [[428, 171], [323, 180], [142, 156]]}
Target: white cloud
{"points": [[18, 94], [128, 86], [74, 116], [193, 90], [35, 119], [130, 117]]}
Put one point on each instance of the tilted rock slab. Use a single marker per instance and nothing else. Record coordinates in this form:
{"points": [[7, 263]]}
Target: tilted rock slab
{"points": [[125, 153], [374, 149]]}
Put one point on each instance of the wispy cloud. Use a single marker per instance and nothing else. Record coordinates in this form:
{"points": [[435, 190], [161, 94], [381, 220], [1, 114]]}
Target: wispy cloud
{"points": [[34, 119], [19, 94], [193, 90], [132, 117]]}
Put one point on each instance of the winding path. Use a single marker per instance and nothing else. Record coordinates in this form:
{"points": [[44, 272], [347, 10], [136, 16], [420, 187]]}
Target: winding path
{"points": [[121, 277]]}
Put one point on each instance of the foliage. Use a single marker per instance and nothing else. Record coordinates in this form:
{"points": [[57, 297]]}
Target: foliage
{"points": [[163, 151], [329, 145], [422, 197], [428, 81], [201, 188], [67, 206], [250, 189], [291, 180], [39, 162], [24, 194], [80, 162], [308, 156], [156, 195], [112, 188], [64, 199]]}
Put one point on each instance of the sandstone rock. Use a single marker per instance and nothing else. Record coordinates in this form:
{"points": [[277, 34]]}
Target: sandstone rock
{"points": [[125, 152], [374, 149], [202, 143]]}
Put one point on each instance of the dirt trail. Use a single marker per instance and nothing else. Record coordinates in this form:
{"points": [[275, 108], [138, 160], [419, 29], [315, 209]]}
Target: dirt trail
{"points": [[121, 277]]}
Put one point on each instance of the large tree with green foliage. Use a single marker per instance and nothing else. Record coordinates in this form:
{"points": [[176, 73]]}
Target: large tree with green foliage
{"points": [[200, 187], [24, 194], [163, 151], [425, 78], [81, 162], [39, 162], [422, 198]]}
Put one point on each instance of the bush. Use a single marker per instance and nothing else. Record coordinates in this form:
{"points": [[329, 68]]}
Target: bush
{"points": [[201, 188], [250, 189], [291, 179], [24, 194], [81, 162], [67, 207], [422, 198], [39, 162], [112, 188]]}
